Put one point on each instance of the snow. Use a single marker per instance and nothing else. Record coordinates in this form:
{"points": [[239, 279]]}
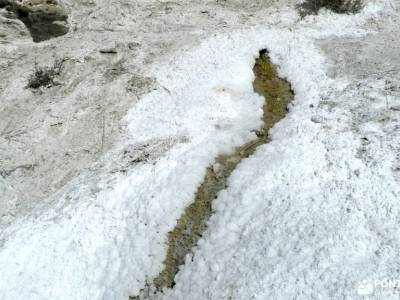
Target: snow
{"points": [[315, 219], [307, 216]]}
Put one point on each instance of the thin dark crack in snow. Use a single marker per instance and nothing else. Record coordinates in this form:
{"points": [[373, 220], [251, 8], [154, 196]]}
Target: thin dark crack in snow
{"points": [[193, 223]]}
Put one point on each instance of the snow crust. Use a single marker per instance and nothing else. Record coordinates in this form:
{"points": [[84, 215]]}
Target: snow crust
{"points": [[308, 216], [303, 218]]}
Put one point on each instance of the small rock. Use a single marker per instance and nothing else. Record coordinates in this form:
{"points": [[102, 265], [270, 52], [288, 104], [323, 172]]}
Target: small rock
{"points": [[44, 19], [317, 119], [133, 45]]}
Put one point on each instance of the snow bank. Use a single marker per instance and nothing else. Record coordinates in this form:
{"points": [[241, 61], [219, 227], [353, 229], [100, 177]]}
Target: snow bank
{"points": [[306, 217], [106, 246], [279, 204]]}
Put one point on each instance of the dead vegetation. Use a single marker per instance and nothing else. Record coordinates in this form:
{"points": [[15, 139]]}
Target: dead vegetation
{"points": [[45, 76], [312, 7]]}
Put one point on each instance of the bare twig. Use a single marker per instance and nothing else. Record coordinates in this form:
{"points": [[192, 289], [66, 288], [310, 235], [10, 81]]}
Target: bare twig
{"points": [[103, 130], [5, 173]]}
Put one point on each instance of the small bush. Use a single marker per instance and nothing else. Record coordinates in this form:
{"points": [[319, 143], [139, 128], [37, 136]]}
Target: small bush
{"points": [[338, 6], [44, 76]]}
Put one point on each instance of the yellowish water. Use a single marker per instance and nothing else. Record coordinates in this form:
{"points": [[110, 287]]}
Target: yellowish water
{"points": [[190, 227]]}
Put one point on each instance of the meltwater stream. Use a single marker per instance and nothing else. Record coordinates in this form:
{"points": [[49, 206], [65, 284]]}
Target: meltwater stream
{"points": [[190, 227]]}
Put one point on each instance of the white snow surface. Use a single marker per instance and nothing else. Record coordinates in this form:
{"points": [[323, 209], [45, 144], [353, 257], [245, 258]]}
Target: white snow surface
{"points": [[304, 218]]}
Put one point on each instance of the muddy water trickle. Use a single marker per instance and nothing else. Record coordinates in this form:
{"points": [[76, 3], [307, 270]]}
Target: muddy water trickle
{"points": [[190, 227]]}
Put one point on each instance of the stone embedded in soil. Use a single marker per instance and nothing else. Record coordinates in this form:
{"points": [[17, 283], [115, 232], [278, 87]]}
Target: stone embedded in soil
{"points": [[45, 19], [337, 6]]}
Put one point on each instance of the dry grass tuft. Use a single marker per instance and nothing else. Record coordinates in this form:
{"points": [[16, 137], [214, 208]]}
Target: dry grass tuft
{"points": [[44, 76]]}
